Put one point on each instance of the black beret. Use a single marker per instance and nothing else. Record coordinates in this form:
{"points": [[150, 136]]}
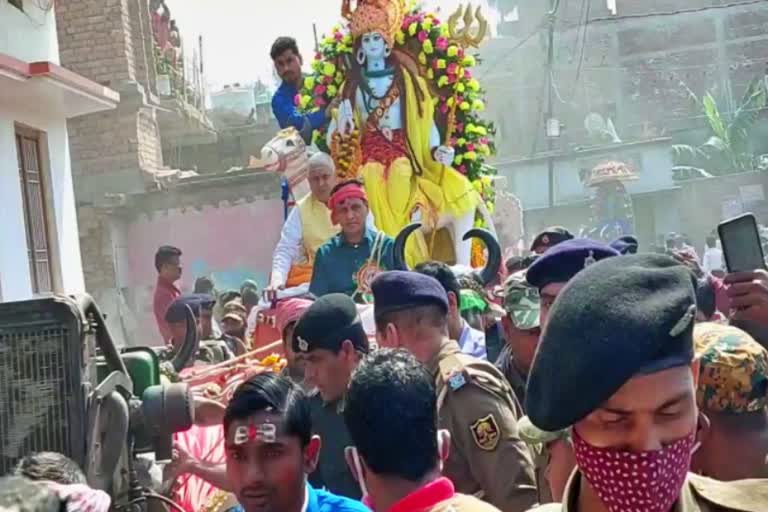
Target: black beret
{"points": [[177, 310], [626, 244], [618, 318], [397, 290], [563, 261], [550, 237], [205, 300], [327, 323]]}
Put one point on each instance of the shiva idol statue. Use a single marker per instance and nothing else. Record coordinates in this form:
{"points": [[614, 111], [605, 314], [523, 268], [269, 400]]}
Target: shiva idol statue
{"points": [[405, 168]]}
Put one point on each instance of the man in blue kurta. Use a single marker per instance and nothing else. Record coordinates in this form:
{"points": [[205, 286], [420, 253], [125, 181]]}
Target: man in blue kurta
{"points": [[270, 449], [287, 60], [348, 262]]}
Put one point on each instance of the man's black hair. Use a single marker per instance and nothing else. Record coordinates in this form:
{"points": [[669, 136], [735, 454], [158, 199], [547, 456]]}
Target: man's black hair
{"points": [[344, 184], [705, 297], [51, 466], [443, 274], [205, 285], [514, 264], [392, 385], [280, 395], [711, 242], [283, 44], [165, 254], [250, 297], [19, 494]]}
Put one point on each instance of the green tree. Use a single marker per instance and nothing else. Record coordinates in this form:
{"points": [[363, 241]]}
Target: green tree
{"points": [[728, 149]]}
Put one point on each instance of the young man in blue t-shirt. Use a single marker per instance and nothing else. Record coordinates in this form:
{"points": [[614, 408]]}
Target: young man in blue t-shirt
{"points": [[270, 450]]}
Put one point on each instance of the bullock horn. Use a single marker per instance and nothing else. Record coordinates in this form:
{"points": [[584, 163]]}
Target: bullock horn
{"points": [[491, 269], [398, 251]]}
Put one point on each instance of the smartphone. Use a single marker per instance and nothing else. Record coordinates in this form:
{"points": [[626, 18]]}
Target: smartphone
{"points": [[740, 240]]}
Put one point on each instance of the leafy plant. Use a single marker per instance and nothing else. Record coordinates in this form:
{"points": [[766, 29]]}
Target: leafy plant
{"points": [[728, 148]]}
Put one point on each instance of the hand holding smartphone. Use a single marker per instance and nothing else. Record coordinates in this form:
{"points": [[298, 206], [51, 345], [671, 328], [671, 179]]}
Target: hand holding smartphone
{"points": [[740, 240]]}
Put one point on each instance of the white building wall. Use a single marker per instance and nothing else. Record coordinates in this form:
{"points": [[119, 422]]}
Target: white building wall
{"points": [[15, 280], [29, 35]]}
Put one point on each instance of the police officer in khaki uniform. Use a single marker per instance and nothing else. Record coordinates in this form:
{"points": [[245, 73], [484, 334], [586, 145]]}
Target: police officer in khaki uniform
{"points": [[616, 365], [475, 403]]}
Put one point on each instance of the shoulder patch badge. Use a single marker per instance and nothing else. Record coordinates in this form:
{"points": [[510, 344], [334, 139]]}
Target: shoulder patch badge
{"points": [[485, 432], [457, 380]]}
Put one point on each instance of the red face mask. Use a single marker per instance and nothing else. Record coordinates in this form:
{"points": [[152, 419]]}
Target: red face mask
{"points": [[650, 481]]}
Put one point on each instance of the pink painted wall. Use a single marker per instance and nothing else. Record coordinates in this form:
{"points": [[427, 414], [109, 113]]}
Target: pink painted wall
{"points": [[230, 243]]}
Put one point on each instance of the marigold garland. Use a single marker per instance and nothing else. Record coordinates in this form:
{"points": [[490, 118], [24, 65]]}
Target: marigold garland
{"points": [[446, 65]]}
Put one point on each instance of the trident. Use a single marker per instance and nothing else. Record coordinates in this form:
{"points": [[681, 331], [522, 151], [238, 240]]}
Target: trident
{"points": [[463, 36]]}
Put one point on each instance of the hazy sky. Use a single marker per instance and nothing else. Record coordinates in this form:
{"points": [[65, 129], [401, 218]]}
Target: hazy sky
{"points": [[237, 34]]}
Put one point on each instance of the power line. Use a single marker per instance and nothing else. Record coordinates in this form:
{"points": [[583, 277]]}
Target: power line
{"points": [[583, 47]]}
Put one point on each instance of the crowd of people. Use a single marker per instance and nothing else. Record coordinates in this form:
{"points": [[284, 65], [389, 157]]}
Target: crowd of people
{"points": [[613, 361], [587, 377]]}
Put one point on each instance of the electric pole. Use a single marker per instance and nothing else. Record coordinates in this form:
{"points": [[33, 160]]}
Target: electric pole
{"points": [[552, 124]]}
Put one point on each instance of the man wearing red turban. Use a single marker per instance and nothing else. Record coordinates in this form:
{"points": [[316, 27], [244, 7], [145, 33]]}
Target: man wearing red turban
{"points": [[348, 262], [287, 315]]}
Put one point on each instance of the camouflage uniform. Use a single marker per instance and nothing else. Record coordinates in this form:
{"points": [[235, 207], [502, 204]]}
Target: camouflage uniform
{"points": [[521, 302], [734, 370]]}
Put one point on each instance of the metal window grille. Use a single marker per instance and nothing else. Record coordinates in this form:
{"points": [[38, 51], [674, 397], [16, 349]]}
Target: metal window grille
{"points": [[42, 394]]}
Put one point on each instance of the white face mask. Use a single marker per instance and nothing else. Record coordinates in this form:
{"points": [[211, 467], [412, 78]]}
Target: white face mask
{"points": [[443, 449]]}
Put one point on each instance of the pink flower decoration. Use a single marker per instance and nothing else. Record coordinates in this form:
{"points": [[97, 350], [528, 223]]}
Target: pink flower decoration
{"points": [[338, 36], [320, 101], [422, 36], [318, 56], [452, 68], [327, 79], [460, 127], [470, 147], [320, 90], [444, 108], [461, 53], [452, 141], [483, 140], [441, 44], [467, 74], [463, 169]]}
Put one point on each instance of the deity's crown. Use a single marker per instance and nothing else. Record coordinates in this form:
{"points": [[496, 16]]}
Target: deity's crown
{"points": [[383, 16]]}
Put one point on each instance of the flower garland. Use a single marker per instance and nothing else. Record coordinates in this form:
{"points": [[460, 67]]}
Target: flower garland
{"points": [[446, 65]]}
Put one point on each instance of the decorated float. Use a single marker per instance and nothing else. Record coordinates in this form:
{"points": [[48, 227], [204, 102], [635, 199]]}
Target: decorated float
{"points": [[408, 122], [612, 212]]}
